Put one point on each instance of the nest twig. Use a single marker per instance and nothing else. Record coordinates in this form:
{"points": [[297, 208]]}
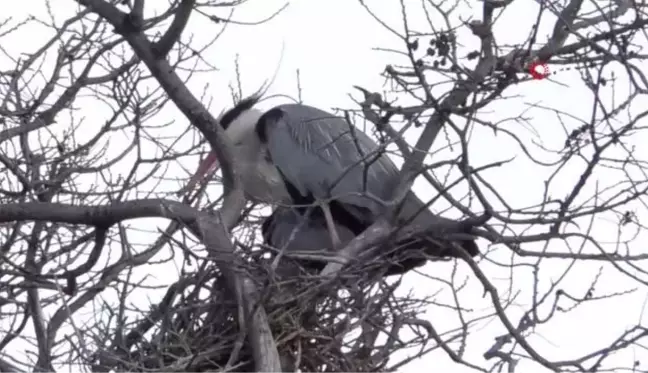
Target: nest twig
{"points": [[312, 323]]}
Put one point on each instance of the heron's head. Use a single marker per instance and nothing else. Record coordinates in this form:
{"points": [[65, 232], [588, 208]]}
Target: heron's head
{"points": [[239, 124]]}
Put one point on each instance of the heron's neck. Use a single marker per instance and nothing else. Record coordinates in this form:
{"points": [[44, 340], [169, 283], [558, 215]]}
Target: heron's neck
{"points": [[250, 150], [261, 180]]}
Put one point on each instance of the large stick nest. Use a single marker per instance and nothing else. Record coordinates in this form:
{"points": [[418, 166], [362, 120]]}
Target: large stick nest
{"points": [[350, 325]]}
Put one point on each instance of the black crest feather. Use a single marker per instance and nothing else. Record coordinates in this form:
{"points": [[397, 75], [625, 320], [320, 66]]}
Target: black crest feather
{"points": [[245, 104]]}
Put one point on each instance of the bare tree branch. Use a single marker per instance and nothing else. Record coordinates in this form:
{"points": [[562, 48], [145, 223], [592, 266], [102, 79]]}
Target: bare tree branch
{"points": [[102, 269]]}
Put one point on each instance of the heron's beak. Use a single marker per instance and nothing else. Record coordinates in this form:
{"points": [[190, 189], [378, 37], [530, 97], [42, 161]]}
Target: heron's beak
{"points": [[207, 167]]}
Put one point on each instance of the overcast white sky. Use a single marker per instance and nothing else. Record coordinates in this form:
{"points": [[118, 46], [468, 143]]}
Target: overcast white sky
{"points": [[331, 43]]}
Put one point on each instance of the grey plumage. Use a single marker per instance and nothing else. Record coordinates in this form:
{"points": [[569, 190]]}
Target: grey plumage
{"points": [[324, 156], [306, 239], [298, 155], [298, 233]]}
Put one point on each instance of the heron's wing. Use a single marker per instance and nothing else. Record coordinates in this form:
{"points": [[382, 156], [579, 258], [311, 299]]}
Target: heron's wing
{"points": [[324, 156], [288, 230]]}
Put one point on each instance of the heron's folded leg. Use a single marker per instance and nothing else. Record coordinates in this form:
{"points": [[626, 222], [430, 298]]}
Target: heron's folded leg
{"points": [[330, 224]]}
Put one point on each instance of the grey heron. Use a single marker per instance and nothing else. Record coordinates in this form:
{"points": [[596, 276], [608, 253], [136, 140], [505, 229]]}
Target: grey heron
{"points": [[298, 155]]}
